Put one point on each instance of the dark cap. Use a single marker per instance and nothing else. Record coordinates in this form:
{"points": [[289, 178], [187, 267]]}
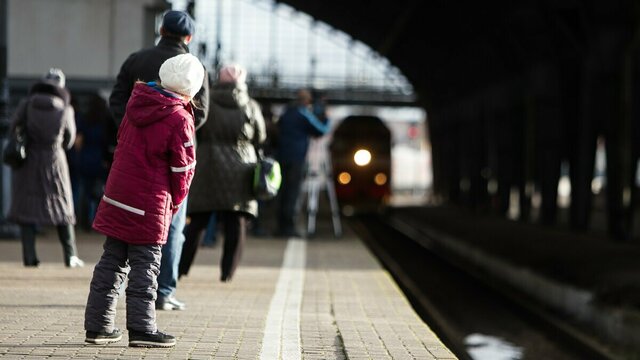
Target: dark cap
{"points": [[178, 23]]}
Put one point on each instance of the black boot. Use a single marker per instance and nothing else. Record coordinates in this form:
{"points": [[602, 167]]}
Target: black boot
{"points": [[235, 234], [28, 236], [67, 237]]}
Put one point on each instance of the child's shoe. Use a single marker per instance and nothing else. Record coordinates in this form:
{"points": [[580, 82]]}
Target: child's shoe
{"points": [[156, 339], [103, 337]]}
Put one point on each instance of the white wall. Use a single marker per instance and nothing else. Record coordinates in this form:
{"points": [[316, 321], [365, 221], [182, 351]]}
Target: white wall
{"points": [[87, 39]]}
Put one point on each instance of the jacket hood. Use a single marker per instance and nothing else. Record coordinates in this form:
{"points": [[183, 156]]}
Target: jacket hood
{"points": [[49, 89], [149, 104], [230, 95], [47, 102]]}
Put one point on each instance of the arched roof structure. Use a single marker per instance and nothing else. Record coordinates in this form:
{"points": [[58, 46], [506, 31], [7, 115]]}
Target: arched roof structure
{"points": [[519, 93]]}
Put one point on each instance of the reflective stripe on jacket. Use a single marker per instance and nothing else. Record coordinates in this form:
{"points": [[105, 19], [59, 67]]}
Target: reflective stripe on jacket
{"points": [[152, 168]]}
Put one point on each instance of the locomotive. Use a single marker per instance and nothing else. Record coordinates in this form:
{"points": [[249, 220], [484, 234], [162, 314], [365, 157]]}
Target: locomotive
{"points": [[360, 153]]}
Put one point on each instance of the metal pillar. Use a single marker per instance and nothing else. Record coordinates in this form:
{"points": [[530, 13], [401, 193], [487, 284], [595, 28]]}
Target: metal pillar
{"points": [[549, 137], [4, 90], [218, 56], [6, 229]]}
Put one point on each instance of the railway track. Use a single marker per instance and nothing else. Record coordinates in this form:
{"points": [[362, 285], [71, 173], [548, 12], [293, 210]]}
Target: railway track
{"points": [[477, 318]]}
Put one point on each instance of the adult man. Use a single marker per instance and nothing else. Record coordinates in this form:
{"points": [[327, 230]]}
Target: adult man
{"points": [[176, 33], [295, 126]]}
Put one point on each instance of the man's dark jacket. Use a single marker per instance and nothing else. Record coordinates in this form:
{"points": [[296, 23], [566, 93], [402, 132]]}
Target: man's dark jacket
{"points": [[144, 65]]}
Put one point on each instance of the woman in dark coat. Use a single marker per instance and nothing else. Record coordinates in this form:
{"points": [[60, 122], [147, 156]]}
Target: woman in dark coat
{"points": [[41, 188], [224, 173]]}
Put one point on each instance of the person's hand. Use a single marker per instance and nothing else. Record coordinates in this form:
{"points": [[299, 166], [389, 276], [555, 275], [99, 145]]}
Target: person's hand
{"points": [[77, 145]]}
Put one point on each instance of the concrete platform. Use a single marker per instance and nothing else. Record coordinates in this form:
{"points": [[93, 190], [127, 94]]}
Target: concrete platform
{"points": [[291, 299]]}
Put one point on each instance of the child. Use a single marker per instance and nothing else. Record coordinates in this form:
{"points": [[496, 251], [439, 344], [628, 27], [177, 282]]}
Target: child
{"points": [[152, 170]]}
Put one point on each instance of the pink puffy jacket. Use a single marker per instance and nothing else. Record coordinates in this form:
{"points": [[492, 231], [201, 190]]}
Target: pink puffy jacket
{"points": [[152, 169]]}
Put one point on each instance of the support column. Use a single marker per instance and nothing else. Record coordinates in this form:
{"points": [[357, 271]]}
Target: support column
{"points": [[527, 185], [4, 105], [633, 97], [583, 154], [549, 134], [452, 158], [509, 154], [438, 153], [7, 230], [620, 134], [477, 156]]}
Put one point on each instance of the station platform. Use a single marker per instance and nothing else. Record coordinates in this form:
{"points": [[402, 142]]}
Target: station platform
{"points": [[323, 298], [589, 281]]}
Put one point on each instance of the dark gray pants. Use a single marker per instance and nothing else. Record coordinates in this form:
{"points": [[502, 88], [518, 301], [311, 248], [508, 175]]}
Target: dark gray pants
{"points": [[142, 264], [292, 179]]}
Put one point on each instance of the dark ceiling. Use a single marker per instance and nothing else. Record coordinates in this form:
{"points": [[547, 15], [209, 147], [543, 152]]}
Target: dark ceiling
{"points": [[515, 90], [450, 49]]}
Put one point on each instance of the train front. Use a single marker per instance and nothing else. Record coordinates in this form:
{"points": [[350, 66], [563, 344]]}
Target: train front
{"points": [[361, 160]]}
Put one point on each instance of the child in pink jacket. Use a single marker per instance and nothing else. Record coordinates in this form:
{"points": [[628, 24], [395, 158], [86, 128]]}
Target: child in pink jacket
{"points": [[152, 170]]}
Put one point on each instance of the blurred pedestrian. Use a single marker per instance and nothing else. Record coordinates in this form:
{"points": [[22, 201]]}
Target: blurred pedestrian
{"points": [[177, 30], [224, 173], [295, 126], [210, 233], [41, 187], [259, 226], [91, 143], [319, 107], [73, 160], [150, 176], [209, 237]]}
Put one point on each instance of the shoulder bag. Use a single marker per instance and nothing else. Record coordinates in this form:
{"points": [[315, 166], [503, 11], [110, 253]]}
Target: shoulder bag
{"points": [[15, 152], [266, 177]]}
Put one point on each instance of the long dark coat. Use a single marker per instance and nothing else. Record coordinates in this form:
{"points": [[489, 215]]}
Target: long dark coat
{"points": [[41, 188], [226, 154]]}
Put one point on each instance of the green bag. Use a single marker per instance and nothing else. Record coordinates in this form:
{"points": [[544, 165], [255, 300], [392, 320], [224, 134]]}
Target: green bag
{"points": [[266, 178]]}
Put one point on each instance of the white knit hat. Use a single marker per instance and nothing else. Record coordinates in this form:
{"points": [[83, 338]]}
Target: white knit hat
{"points": [[233, 73], [55, 76], [183, 74]]}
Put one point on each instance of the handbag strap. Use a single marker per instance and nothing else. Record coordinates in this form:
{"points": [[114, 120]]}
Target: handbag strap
{"points": [[259, 153], [21, 117], [248, 111]]}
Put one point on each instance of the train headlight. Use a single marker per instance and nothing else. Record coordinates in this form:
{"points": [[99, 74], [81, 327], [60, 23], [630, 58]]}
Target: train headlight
{"points": [[362, 157], [380, 179], [344, 178]]}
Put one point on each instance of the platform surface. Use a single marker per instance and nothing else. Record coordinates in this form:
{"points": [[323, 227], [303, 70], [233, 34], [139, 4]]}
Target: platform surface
{"points": [[323, 298]]}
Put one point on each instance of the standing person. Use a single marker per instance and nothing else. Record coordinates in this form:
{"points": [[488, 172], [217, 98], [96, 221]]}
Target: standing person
{"points": [[150, 176], [224, 174], [295, 126], [41, 187], [176, 31], [91, 144], [259, 226], [210, 234]]}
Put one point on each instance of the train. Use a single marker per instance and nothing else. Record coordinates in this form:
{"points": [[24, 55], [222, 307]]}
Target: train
{"points": [[360, 152]]}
